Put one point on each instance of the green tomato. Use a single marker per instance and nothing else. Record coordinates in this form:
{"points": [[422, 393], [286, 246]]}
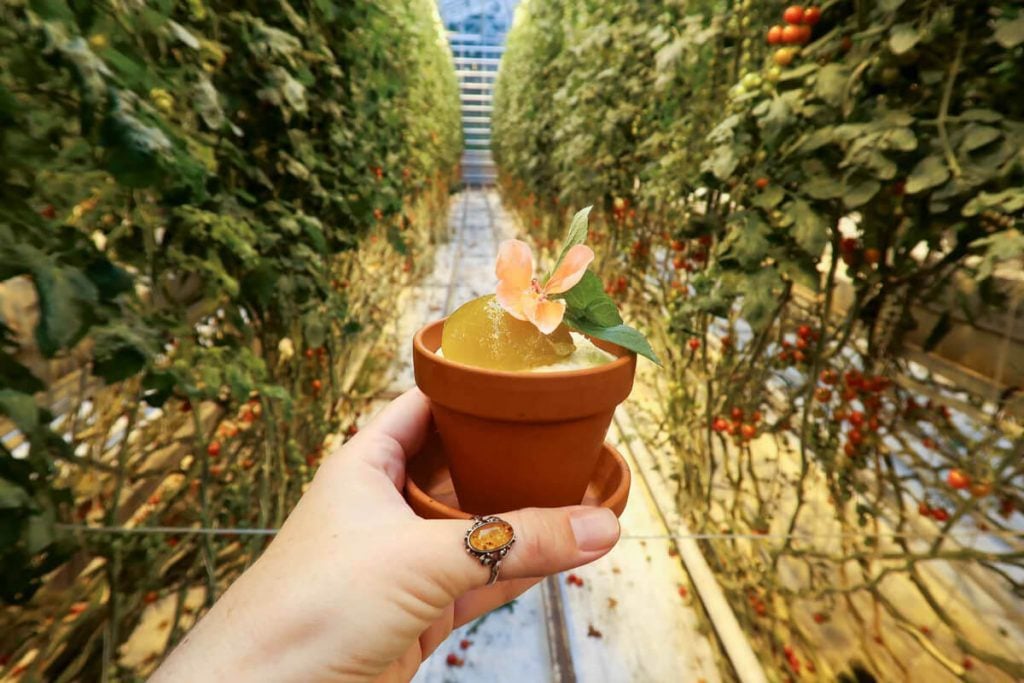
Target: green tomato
{"points": [[751, 81]]}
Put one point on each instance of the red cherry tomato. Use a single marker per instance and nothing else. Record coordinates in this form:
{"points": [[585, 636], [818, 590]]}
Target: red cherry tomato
{"points": [[794, 14], [775, 35], [761, 183], [812, 15], [791, 34], [958, 479], [694, 344], [803, 34], [736, 413], [213, 450]]}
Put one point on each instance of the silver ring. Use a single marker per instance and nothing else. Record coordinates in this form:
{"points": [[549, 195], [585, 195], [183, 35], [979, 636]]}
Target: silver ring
{"points": [[489, 540]]}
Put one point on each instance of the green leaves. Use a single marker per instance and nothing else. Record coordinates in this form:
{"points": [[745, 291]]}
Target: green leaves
{"points": [[809, 230], [577, 234], [1010, 32], [588, 301], [623, 335], [903, 38], [831, 83], [928, 173], [136, 152], [588, 308], [21, 409]]}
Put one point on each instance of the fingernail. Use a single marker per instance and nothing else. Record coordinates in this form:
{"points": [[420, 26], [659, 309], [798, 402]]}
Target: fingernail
{"points": [[594, 528]]}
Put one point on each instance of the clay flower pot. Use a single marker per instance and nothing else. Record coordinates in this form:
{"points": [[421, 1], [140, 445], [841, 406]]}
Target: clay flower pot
{"points": [[519, 439]]}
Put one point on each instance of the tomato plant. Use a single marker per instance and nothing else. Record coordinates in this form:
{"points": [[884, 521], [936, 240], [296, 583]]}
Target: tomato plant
{"points": [[191, 195], [822, 193]]}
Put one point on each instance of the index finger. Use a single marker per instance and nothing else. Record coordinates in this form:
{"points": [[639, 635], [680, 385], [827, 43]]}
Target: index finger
{"points": [[394, 434]]}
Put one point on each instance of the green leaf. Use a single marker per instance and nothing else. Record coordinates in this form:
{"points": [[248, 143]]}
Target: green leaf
{"points": [[52, 10], [577, 234], [16, 376], [721, 162], [1010, 32], [982, 115], [769, 198], [587, 300], [809, 230], [64, 296], [1007, 201], [623, 335], [134, 149], [978, 136], [315, 333], [823, 187], [832, 79], [903, 38], [1001, 247], [928, 173], [39, 532], [859, 194], [396, 240], [747, 243], [21, 408], [13, 496], [801, 272], [118, 364], [759, 297]]}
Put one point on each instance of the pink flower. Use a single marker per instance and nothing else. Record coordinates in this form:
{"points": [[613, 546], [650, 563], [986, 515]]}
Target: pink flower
{"points": [[523, 297]]}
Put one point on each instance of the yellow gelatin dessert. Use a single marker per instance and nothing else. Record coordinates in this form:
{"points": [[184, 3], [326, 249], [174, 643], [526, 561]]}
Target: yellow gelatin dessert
{"points": [[480, 333]]}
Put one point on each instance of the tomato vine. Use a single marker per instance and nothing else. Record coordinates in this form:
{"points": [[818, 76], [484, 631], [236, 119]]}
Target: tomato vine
{"points": [[795, 215], [204, 208]]}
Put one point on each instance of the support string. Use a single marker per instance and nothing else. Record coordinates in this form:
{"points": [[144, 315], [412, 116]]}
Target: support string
{"points": [[248, 531]]}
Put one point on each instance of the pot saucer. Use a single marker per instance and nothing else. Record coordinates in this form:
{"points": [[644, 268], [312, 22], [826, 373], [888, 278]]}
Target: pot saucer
{"points": [[430, 493]]}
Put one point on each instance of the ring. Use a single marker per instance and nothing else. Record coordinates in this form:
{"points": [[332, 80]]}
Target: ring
{"points": [[489, 540]]}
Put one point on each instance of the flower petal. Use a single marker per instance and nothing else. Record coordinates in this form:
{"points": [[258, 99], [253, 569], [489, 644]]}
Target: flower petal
{"points": [[514, 267], [547, 315], [514, 299], [570, 270]]}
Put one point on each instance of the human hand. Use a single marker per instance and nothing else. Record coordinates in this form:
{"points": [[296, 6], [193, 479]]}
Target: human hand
{"points": [[356, 587]]}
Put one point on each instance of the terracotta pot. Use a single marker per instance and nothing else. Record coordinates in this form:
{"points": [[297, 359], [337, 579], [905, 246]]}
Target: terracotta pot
{"points": [[519, 439]]}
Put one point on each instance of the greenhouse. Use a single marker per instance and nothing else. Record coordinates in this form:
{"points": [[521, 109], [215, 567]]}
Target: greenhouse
{"points": [[512, 341]]}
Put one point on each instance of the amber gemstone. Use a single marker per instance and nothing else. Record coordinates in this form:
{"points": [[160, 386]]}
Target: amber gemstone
{"points": [[491, 536]]}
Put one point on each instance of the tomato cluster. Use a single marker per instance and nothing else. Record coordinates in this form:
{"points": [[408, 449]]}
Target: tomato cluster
{"points": [[796, 352], [796, 30], [744, 431]]}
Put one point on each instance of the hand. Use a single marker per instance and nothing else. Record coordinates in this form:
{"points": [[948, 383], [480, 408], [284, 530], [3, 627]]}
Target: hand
{"points": [[356, 587]]}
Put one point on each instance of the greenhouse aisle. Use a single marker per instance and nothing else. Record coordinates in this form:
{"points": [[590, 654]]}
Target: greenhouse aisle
{"points": [[631, 615]]}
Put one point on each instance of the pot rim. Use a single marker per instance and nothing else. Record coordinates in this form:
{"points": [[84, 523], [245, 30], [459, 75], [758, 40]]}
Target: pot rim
{"points": [[624, 358]]}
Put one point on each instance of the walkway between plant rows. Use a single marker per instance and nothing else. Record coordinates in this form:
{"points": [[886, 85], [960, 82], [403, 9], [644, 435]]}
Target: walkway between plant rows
{"points": [[636, 616]]}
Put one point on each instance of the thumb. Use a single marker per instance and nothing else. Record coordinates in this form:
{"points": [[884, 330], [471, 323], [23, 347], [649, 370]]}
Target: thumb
{"points": [[547, 541]]}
